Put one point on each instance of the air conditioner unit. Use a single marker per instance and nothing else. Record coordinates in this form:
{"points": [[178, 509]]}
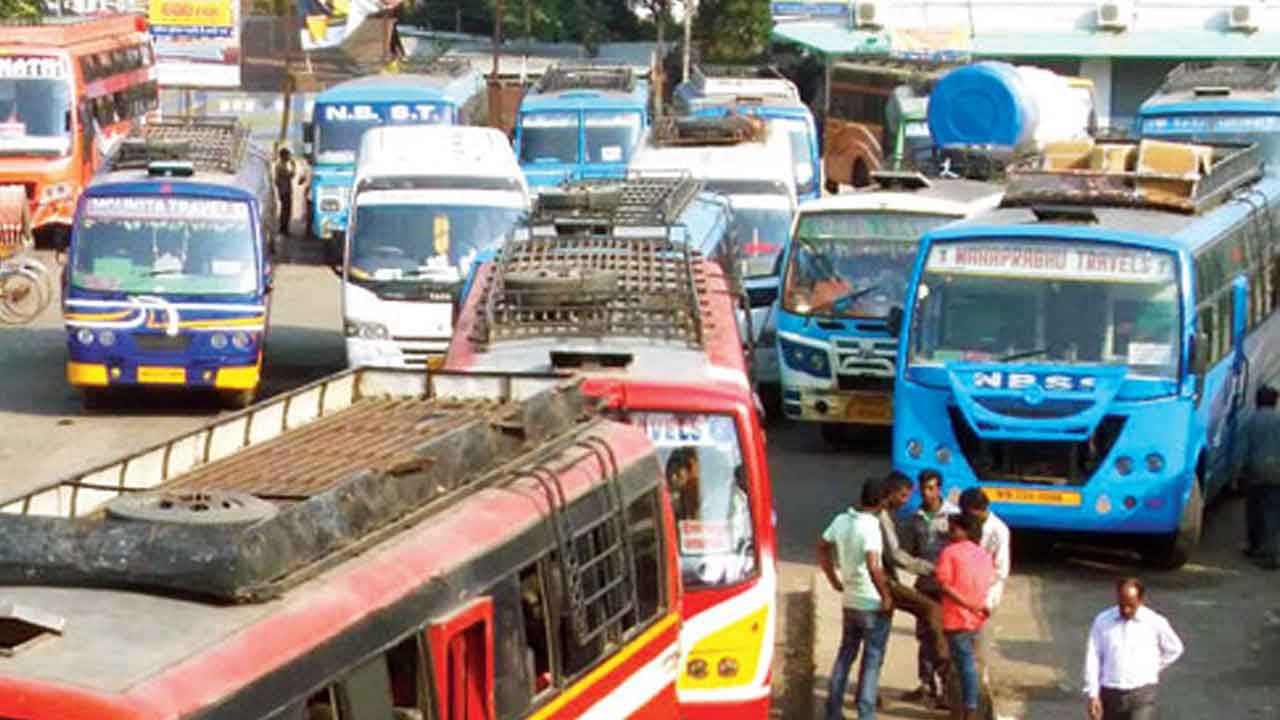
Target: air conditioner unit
{"points": [[1113, 14], [1243, 16], [868, 14]]}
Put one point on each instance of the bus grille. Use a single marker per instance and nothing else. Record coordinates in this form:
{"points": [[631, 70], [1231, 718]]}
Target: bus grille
{"points": [[865, 357], [1015, 407], [1036, 462], [162, 343], [865, 383]]}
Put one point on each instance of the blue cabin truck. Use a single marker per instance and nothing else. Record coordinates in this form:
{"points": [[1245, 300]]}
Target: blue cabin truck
{"points": [[452, 94], [581, 121], [717, 91], [1217, 102], [168, 277]]}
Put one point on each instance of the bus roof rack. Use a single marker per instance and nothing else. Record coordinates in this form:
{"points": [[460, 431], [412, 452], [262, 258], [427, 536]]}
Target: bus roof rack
{"points": [[1218, 77], [208, 144], [905, 180], [587, 75], [593, 286], [451, 65], [1151, 174], [727, 130], [639, 199], [745, 81]]}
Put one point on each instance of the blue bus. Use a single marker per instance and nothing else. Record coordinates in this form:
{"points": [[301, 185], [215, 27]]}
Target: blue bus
{"points": [[581, 121], [1217, 102], [1088, 352], [747, 90], [450, 94], [168, 277]]}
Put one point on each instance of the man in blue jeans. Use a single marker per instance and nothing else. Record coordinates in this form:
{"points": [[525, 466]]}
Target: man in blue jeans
{"points": [[854, 535]]}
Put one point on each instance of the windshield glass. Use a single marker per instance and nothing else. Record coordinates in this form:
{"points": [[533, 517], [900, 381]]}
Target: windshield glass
{"points": [[853, 264], [801, 154], [164, 245], [761, 234], [709, 493], [549, 138], [611, 136], [35, 106], [339, 126], [1232, 128], [423, 243], [1055, 302]]}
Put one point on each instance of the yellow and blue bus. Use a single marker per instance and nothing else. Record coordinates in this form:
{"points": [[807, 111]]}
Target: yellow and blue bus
{"points": [[1087, 352], [581, 121]]}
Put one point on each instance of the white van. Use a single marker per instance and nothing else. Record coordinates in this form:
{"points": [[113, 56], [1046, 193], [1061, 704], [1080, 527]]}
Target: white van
{"points": [[427, 202]]}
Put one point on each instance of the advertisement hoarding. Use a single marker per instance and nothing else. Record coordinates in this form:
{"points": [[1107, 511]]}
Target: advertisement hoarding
{"points": [[197, 42]]}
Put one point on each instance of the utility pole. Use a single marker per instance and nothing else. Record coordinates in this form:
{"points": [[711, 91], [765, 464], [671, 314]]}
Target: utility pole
{"points": [[497, 55], [690, 7]]}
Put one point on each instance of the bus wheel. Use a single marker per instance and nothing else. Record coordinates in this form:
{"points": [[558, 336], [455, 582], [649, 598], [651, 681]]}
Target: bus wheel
{"points": [[861, 176], [832, 187], [834, 434], [1173, 551], [235, 399], [95, 399]]}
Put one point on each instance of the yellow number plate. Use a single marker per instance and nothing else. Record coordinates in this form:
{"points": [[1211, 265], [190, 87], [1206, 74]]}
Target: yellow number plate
{"points": [[162, 375], [1033, 497], [873, 408]]}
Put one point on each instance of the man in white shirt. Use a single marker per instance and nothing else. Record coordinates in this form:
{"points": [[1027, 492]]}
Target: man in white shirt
{"points": [[854, 539], [1129, 646]]}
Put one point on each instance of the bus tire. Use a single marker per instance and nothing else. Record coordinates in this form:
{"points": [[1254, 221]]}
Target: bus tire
{"points": [[95, 399], [203, 507], [1173, 551], [832, 187], [861, 176], [236, 399], [834, 434]]}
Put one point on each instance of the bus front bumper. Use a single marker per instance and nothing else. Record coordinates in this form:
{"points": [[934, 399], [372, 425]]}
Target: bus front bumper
{"points": [[410, 354], [197, 374], [836, 406]]}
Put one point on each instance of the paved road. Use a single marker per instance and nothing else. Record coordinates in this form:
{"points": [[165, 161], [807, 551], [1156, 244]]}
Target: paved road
{"points": [[1228, 613]]}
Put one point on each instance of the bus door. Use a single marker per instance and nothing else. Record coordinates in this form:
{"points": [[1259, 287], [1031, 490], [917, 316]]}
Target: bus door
{"points": [[1239, 400]]}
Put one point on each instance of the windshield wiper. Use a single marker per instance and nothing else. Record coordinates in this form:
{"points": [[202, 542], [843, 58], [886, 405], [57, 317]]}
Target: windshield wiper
{"points": [[1023, 355], [846, 298], [158, 273]]}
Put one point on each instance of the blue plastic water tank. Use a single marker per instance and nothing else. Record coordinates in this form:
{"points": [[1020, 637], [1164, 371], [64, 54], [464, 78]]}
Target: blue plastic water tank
{"points": [[984, 103]]}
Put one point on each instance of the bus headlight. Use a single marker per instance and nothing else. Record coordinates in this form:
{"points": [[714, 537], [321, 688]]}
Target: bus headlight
{"points": [[1124, 465], [242, 340], [697, 668], [805, 359], [85, 336], [55, 192], [727, 667], [942, 455], [1155, 462], [914, 449], [332, 198], [218, 341], [366, 330], [107, 338]]}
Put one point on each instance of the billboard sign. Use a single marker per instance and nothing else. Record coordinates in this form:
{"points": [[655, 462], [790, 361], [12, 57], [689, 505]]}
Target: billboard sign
{"points": [[835, 12], [197, 42], [328, 23]]}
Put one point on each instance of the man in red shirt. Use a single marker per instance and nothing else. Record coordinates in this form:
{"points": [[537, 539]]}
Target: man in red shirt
{"points": [[965, 573]]}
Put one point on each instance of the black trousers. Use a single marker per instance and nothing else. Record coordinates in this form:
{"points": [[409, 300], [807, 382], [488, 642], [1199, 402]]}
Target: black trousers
{"points": [[1136, 704], [286, 209]]}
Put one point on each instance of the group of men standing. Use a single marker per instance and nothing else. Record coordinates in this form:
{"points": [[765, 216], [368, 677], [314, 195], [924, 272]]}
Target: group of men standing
{"points": [[960, 557]]}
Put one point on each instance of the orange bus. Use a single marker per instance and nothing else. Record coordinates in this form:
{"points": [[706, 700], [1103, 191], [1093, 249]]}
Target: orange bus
{"points": [[68, 88], [381, 544], [599, 283]]}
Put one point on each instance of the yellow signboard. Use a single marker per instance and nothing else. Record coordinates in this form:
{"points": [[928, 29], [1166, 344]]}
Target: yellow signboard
{"points": [[159, 375], [190, 13], [1027, 496]]}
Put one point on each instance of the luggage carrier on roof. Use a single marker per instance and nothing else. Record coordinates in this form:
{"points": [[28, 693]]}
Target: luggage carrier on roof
{"points": [[255, 503], [744, 81], [1205, 177], [728, 130], [587, 76], [209, 144], [1202, 76], [594, 286], [641, 199]]}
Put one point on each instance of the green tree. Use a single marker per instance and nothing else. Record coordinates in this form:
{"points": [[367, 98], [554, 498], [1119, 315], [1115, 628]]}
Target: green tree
{"points": [[732, 30], [21, 10]]}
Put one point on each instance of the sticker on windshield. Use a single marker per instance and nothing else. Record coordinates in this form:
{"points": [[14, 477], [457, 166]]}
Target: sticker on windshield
{"points": [[388, 274], [13, 129], [699, 537], [440, 228], [611, 153], [225, 267], [547, 120], [1150, 353]]}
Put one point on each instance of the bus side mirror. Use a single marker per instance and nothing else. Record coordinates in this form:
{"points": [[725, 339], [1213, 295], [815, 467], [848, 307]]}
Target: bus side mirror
{"points": [[894, 321], [308, 137], [1239, 310]]}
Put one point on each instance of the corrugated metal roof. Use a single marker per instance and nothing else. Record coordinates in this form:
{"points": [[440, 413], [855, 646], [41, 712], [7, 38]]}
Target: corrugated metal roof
{"points": [[829, 39]]}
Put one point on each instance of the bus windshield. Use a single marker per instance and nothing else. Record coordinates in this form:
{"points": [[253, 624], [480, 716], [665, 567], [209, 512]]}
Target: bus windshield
{"points": [[1072, 303], [549, 137], [35, 115], [853, 264], [709, 494], [423, 243], [1228, 128], [761, 233], [165, 245], [339, 126], [611, 136]]}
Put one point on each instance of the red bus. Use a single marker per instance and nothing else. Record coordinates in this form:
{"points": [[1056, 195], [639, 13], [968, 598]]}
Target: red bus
{"points": [[377, 545], [596, 285], [68, 88]]}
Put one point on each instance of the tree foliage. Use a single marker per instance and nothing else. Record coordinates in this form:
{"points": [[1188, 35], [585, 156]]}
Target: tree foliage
{"points": [[585, 21], [21, 9], [732, 30]]}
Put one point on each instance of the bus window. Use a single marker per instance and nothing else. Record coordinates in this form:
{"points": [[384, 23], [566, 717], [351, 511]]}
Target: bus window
{"points": [[646, 547], [365, 692], [611, 136], [537, 631], [34, 115], [549, 138]]}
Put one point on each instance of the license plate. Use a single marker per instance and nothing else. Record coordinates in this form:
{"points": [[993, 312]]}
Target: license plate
{"points": [[162, 375], [1033, 497], [870, 409]]}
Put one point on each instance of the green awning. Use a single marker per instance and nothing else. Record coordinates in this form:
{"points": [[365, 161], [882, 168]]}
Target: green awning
{"points": [[831, 40], [1171, 44]]}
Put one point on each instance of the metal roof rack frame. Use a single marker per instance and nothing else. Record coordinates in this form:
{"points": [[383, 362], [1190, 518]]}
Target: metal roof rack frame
{"points": [[1221, 77], [449, 65], [587, 75], [594, 286], [1232, 167], [727, 130], [209, 144], [642, 198]]}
